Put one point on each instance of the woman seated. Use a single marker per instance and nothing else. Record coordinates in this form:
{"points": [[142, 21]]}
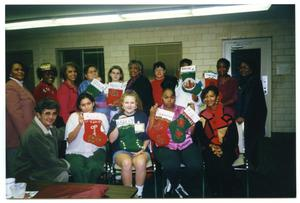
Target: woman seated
{"points": [[129, 140], [218, 135], [174, 146], [86, 139]]}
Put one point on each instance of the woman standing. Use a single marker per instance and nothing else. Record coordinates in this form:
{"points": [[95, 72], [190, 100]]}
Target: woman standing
{"points": [[228, 87], [45, 89], [115, 78], [86, 136], [219, 138], [140, 84], [175, 153], [252, 111], [159, 71], [90, 73], [19, 112], [67, 92], [129, 140]]}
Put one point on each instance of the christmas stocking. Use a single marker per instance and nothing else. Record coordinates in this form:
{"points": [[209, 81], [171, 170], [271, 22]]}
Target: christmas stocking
{"points": [[211, 78], [159, 132], [196, 89], [93, 133], [188, 72], [128, 139], [178, 128]]}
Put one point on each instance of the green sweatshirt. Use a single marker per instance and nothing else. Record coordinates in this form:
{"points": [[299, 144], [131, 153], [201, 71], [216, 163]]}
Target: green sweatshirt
{"points": [[37, 156]]}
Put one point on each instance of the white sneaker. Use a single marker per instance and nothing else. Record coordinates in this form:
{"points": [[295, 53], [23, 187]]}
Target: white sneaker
{"points": [[240, 161], [180, 191], [167, 187]]}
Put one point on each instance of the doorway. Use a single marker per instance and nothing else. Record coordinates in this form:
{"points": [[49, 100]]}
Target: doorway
{"points": [[257, 50]]}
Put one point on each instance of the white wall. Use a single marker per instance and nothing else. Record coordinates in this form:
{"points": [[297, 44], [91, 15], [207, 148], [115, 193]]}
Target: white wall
{"points": [[201, 43]]}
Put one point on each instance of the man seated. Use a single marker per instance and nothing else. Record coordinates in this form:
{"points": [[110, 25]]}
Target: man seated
{"points": [[37, 157]]}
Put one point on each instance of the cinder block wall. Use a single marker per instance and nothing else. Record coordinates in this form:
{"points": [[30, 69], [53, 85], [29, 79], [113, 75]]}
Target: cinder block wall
{"points": [[202, 43]]}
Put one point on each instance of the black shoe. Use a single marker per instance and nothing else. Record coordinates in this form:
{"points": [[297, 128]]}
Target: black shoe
{"points": [[138, 196], [180, 192]]}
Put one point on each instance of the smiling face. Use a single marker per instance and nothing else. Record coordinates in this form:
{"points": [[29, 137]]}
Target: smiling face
{"points": [[17, 72], [71, 73], [210, 99], [92, 73], [168, 99], [129, 105], [244, 69], [48, 77], [47, 117], [134, 70], [86, 105]]}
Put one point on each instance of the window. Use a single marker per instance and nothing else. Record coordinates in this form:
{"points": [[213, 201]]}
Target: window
{"points": [[83, 57], [169, 53]]}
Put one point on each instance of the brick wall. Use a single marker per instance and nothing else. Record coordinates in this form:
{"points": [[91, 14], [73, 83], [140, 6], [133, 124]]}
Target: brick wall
{"points": [[201, 43]]}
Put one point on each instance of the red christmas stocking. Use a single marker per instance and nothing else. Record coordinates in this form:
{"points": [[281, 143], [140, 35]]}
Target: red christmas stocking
{"points": [[93, 133], [159, 132]]}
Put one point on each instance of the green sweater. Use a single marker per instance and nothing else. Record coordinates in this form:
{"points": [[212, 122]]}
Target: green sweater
{"points": [[37, 156]]}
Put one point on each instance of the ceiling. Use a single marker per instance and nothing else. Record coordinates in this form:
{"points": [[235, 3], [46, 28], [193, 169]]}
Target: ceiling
{"points": [[15, 13]]}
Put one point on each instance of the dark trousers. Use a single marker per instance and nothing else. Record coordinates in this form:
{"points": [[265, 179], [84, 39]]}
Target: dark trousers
{"points": [[11, 154], [191, 157], [252, 144], [220, 175], [86, 170]]}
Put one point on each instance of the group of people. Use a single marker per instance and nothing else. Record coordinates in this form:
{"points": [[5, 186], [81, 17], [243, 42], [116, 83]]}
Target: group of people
{"points": [[132, 124]]}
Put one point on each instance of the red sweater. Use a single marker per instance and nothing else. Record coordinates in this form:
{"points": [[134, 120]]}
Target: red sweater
{"points": [[44, 90], [157, 91], [67, 96]]}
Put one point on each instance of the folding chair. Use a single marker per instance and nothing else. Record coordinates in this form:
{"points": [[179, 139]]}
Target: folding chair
{"points": [[150, 168], [244, 168]]}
